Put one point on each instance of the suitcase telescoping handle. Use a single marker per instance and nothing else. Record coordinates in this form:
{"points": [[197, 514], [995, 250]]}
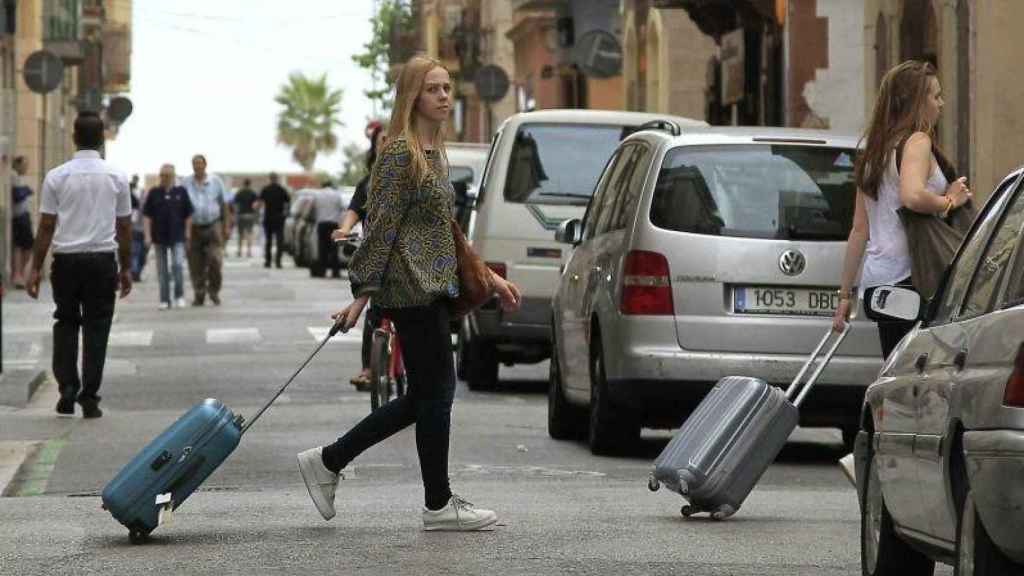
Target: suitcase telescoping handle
{"points": [[800, 390], [337, 327]]}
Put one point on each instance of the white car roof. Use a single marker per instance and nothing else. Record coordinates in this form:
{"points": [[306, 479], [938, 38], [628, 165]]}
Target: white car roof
{"points": [[755, 135], [613, 117]]}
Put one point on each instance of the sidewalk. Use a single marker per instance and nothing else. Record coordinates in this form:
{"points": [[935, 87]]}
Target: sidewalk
{"points": [[27, 327]]}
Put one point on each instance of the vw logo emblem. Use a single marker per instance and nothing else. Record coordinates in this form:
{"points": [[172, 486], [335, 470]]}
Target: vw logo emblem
{"points": [[792, 263]]}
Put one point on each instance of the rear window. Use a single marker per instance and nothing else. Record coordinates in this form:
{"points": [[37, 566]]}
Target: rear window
{"points": [[559, 163], [757, 191]]}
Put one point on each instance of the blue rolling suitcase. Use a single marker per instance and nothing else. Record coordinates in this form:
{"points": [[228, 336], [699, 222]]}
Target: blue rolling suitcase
{"points": [[732, 437], [170, 468]]}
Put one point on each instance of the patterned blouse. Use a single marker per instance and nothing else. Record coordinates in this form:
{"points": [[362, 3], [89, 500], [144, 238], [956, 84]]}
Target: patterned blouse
{"points": [[408, 255]]}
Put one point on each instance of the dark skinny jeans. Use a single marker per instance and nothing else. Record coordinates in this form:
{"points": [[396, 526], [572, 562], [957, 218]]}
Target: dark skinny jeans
{"points": [[424, 334]]}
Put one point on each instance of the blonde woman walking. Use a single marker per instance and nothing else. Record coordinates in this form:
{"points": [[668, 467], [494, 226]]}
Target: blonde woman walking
{"points": [[407, 264]]}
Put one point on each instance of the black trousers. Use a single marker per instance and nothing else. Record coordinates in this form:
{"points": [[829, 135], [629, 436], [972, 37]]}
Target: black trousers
{"points": [[273, 229], [423, 332], [84, 288], [327, 252]]}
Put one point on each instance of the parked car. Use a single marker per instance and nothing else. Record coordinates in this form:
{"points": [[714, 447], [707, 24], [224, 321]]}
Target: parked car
{"points": [[541, 170], [296, 219], [941, 451], [466, 161], [705, 253]]}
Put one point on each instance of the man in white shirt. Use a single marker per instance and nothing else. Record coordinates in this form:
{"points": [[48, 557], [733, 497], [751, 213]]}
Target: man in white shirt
{"points": [[85, 202]]}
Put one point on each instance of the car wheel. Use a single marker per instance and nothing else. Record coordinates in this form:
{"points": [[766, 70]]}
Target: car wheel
{"points": [[482, 369], [882, 551], [565, 421], [612, 430], [976, 555]]}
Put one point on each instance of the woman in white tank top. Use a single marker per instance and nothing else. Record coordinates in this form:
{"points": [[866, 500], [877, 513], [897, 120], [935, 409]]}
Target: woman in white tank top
{"points": [[908, 106]]}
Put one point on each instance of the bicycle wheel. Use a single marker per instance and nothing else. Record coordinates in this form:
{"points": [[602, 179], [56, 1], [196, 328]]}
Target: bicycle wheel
{"points": [[380, 381]]}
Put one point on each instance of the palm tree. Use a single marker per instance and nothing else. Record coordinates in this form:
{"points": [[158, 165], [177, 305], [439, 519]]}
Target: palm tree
{"points": [[309, 116]]}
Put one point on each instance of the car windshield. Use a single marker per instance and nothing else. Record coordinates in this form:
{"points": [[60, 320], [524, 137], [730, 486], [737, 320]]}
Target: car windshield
{"points": [[757, 191], [559, 163]]}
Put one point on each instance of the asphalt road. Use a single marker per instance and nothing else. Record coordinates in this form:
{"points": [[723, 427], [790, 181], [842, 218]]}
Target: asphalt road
{"points": [[561, 509]]}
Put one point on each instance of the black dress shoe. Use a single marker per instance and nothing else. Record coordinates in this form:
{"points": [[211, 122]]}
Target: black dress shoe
{"points": [[215, 299], [65, 407], [91, 410]]}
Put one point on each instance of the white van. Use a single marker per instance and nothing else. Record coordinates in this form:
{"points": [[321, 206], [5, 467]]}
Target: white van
{"points": [[466, 162], [541, 170]]}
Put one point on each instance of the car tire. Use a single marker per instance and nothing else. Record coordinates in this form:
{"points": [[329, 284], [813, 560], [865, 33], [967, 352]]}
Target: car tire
{"points": [[882, 551], [612, 430], [976, 555], [565, 421], [481, 365]]}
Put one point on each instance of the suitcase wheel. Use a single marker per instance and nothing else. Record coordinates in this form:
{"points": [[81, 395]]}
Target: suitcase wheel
{"points": [[138, 537], [652, 484], [688, 510]]}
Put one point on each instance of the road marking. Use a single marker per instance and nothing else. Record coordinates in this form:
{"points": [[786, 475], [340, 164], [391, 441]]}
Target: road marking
{"points": [[136, 338], [233, 335], [34, 474], [355, 335]]}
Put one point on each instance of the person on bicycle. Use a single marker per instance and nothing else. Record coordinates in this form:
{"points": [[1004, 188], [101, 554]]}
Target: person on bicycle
{"points": [[407, 264], [354, 214]]}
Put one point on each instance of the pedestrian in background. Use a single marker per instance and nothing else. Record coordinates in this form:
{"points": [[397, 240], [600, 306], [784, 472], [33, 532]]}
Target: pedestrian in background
{"points": [[329, 207], [85, 203], [168, 219], [902, 127], [354, 214], [245, 209], [407, 264], [210, 226], [274, 200], [140, 251], [21, 222]]}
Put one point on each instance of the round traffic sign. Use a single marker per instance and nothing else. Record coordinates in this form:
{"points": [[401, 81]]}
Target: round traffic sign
{"points": [[119, 109], [43, 71], [491, 83], [599, 54]]}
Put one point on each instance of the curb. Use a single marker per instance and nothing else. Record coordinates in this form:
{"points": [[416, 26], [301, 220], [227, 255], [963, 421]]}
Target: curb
{"points": [[13, 397]]}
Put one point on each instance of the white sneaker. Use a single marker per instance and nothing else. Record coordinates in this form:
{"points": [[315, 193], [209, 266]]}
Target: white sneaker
{"points": [[458, 515], [849, 468], [320, 481], [180, 303], [164, 306]]}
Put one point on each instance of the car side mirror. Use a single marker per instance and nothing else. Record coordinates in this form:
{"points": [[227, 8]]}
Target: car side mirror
{"points": [[570, 231], [895, 302]]}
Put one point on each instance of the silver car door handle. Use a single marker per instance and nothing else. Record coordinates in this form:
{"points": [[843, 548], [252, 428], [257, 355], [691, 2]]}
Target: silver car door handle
{"points": [[960, 360], [921, 362]]}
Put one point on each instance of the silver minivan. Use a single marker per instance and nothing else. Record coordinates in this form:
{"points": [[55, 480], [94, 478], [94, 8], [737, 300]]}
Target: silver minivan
{"points": [[704, 253]]}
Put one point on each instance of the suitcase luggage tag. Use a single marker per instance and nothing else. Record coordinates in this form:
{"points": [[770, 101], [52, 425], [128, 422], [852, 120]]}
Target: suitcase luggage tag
{"points": [[165, 513]]}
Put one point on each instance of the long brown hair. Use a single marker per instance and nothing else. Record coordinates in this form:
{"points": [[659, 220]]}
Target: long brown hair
{"points": [[899, 112], [404, 118]]}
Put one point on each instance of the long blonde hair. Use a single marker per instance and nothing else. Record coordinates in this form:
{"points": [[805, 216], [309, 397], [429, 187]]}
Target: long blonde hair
{"points": [[404, 118], [899, 112]]}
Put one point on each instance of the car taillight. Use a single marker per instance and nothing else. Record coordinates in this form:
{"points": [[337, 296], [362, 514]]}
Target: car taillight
{"points": [[646, 284], [499, 268], [1014, 394]]}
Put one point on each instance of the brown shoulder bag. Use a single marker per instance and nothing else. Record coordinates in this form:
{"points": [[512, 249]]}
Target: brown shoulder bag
{"points": [[475, 285]]}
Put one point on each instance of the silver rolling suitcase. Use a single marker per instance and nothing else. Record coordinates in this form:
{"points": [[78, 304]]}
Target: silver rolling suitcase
{"points": [[732, 437]]}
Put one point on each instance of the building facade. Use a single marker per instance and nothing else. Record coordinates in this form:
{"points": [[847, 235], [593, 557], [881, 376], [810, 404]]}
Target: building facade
{"points": [[974, 45], [92, 38]]}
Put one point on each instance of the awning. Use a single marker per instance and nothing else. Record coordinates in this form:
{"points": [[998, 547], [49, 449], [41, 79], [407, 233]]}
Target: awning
{"points": [[716, 17]]}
